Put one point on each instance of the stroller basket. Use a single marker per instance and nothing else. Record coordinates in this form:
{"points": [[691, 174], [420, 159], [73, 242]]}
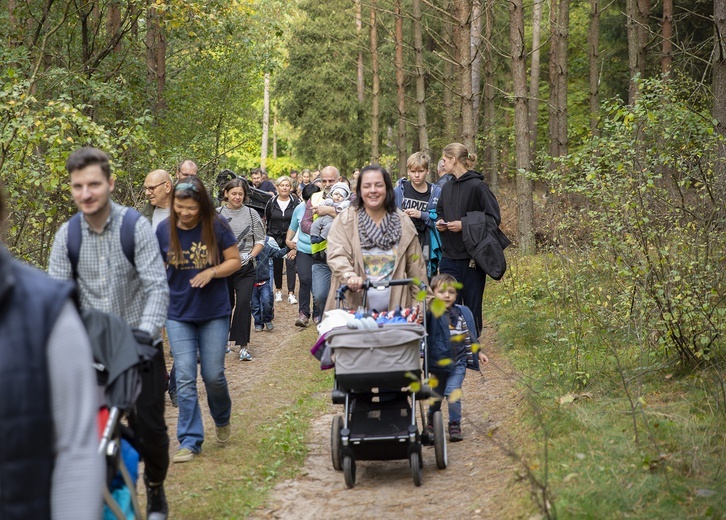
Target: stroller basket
{"points": [[387, 357]]}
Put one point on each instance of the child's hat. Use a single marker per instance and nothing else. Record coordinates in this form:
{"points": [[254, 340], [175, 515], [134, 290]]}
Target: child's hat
{"points": [[341, 186]]}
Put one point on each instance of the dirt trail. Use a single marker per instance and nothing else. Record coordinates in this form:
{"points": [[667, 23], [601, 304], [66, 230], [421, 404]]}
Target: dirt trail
{"points": [[480, 481]]}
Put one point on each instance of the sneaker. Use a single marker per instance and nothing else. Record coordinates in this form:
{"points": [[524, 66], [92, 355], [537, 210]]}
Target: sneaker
{"points": [[269, 326], [222, 433], [278, 296], [455, 432], [430, 427], [302, 321], [258, 328], [316, 319], [183, 455], [291, 299], [244, 355], [157, 508]]}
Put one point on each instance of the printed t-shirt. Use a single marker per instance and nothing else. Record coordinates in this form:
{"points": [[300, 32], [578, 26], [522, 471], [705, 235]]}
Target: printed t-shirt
{"points": [[187, 303], [379, 265]]}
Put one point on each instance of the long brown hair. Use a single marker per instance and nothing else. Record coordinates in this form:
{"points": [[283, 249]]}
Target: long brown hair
{"points": [[192, 188]]}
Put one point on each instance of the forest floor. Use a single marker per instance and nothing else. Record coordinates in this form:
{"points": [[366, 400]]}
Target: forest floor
{"points": [[481, 480]]}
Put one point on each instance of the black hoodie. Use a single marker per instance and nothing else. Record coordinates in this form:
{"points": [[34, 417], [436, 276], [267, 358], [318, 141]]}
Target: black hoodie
{"points": [[459, 196]]}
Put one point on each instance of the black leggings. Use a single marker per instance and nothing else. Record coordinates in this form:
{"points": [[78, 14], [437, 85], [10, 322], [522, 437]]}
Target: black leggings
{"points": [[291, 273], [240, 286]]}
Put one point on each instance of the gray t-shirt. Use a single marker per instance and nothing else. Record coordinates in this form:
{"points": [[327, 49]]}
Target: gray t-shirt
{"points": [[159, 215]]}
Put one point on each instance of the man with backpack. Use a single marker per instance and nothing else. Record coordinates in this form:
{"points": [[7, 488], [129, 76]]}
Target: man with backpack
{"points": [[114, 258]]}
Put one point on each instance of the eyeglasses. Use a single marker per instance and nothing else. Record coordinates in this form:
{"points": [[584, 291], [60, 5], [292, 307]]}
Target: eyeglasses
{"points": [[183, 186], [152, 188]]}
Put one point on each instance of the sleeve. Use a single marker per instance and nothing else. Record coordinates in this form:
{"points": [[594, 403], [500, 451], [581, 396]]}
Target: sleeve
{"points": [[225, 235], [59, 266], [340, 254], [440, 205], [151, 271], [295, 221], [491, 205], [78, 474], [258, 228], [430, 216]]}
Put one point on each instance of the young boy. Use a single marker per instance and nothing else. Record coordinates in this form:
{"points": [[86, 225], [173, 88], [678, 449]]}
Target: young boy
{"points": [[418, 198], [450, 339], [261, 305]]}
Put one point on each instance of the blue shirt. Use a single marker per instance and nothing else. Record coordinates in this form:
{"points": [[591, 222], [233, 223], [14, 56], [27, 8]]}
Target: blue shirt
{"points": [[187, 303], [303, 239]]}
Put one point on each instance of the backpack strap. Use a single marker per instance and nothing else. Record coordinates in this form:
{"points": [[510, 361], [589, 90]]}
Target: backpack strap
{"points": [[128, 241]]}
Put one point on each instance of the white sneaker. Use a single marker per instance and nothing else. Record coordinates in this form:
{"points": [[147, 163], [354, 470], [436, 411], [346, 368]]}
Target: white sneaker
{"points": [[244, 355], [291, 299], [278, 296]]}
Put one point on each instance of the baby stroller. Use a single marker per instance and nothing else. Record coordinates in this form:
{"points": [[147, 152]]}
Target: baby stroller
{"points": [[119, 354], [378, 380]]}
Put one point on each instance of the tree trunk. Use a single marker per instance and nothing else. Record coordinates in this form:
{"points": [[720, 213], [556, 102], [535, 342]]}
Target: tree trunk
{"points": [[491, 156], [593, 44], [451, 112], [400, 92], [156, 57], [667, 33], [359, 32], [476, 61], [265, 122], [637, 12], [534, 77], [274, 136], [563, 26], [719, 96], [552, 104], [421, 124], [525, 206], [462, 40], [113, 22], [375, 110]]}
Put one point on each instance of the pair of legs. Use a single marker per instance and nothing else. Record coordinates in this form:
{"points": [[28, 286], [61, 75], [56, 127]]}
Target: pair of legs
{"points": [[472, 280], [321, 286], [304, 265], [208, 341], [240, 286], [291, 272], [262, 304], [147, 421], [448, 382]]}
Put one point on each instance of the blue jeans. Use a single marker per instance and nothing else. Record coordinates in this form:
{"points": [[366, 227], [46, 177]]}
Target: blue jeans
{"points": [[321, 286], [209, 339], [449, 382], [262, 303]]}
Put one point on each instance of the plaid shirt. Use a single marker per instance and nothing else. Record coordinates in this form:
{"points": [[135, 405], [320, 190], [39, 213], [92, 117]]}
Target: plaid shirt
{"points": [[106, 279]]}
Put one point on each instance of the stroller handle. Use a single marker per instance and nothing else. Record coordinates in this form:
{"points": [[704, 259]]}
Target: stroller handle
{"points": [[368, 284]]}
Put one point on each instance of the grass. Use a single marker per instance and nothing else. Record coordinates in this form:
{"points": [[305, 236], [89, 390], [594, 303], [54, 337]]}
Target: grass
{"points": [[626, 434], [268, 441]]}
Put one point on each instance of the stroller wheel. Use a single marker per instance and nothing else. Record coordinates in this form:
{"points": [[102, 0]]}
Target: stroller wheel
{"points": [[442, 458], [335, 449], [349, 471], [415, 461]]}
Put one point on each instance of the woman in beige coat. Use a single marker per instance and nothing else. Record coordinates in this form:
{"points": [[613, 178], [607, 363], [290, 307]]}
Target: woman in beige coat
{"points": [[374, 239]]}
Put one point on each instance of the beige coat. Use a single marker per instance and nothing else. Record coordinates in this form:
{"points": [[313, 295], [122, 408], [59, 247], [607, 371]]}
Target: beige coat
{"points": [[344, 255]]}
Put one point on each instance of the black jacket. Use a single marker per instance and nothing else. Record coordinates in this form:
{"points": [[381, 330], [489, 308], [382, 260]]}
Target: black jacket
{"points": [[277, 221], [458, 197], [485, 243]]}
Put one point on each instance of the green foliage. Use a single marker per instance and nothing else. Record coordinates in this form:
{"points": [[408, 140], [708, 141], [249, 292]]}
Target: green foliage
{"points": [[646, 207], [642, 441]]}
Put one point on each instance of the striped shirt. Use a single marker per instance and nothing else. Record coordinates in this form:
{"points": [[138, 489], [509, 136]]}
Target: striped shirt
{"points": [[106, 279], [246, 225]]}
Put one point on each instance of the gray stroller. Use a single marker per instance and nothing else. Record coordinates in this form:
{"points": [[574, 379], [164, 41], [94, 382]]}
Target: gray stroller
{"points": [[378, 380]]}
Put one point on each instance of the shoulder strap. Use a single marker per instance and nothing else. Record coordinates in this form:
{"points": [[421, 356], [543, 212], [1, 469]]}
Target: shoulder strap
{"points": [[74, 242], [128, 229], [128, 241]]}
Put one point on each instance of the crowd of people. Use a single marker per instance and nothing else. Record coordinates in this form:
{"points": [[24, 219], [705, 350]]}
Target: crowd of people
{"points": [[203, 273]]}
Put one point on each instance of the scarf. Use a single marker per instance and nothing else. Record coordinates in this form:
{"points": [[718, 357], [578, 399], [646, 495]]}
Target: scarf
{"points": [[384, 236]]}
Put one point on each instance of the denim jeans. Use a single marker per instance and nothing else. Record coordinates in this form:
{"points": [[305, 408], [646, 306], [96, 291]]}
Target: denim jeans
{"points": [[209, 339], [321, 286], [262, 304], [449, 382]]}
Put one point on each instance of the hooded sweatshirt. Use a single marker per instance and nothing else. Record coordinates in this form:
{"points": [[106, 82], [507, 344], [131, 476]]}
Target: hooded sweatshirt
{"points": [[459, 196]]}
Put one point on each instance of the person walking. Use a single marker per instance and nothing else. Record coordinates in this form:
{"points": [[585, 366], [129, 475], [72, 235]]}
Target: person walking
{"points": [[466, 192], [278, 214], [50, 466], [247, 226], [200, 251], [137, 292], [157, 187], [301, 251]]}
